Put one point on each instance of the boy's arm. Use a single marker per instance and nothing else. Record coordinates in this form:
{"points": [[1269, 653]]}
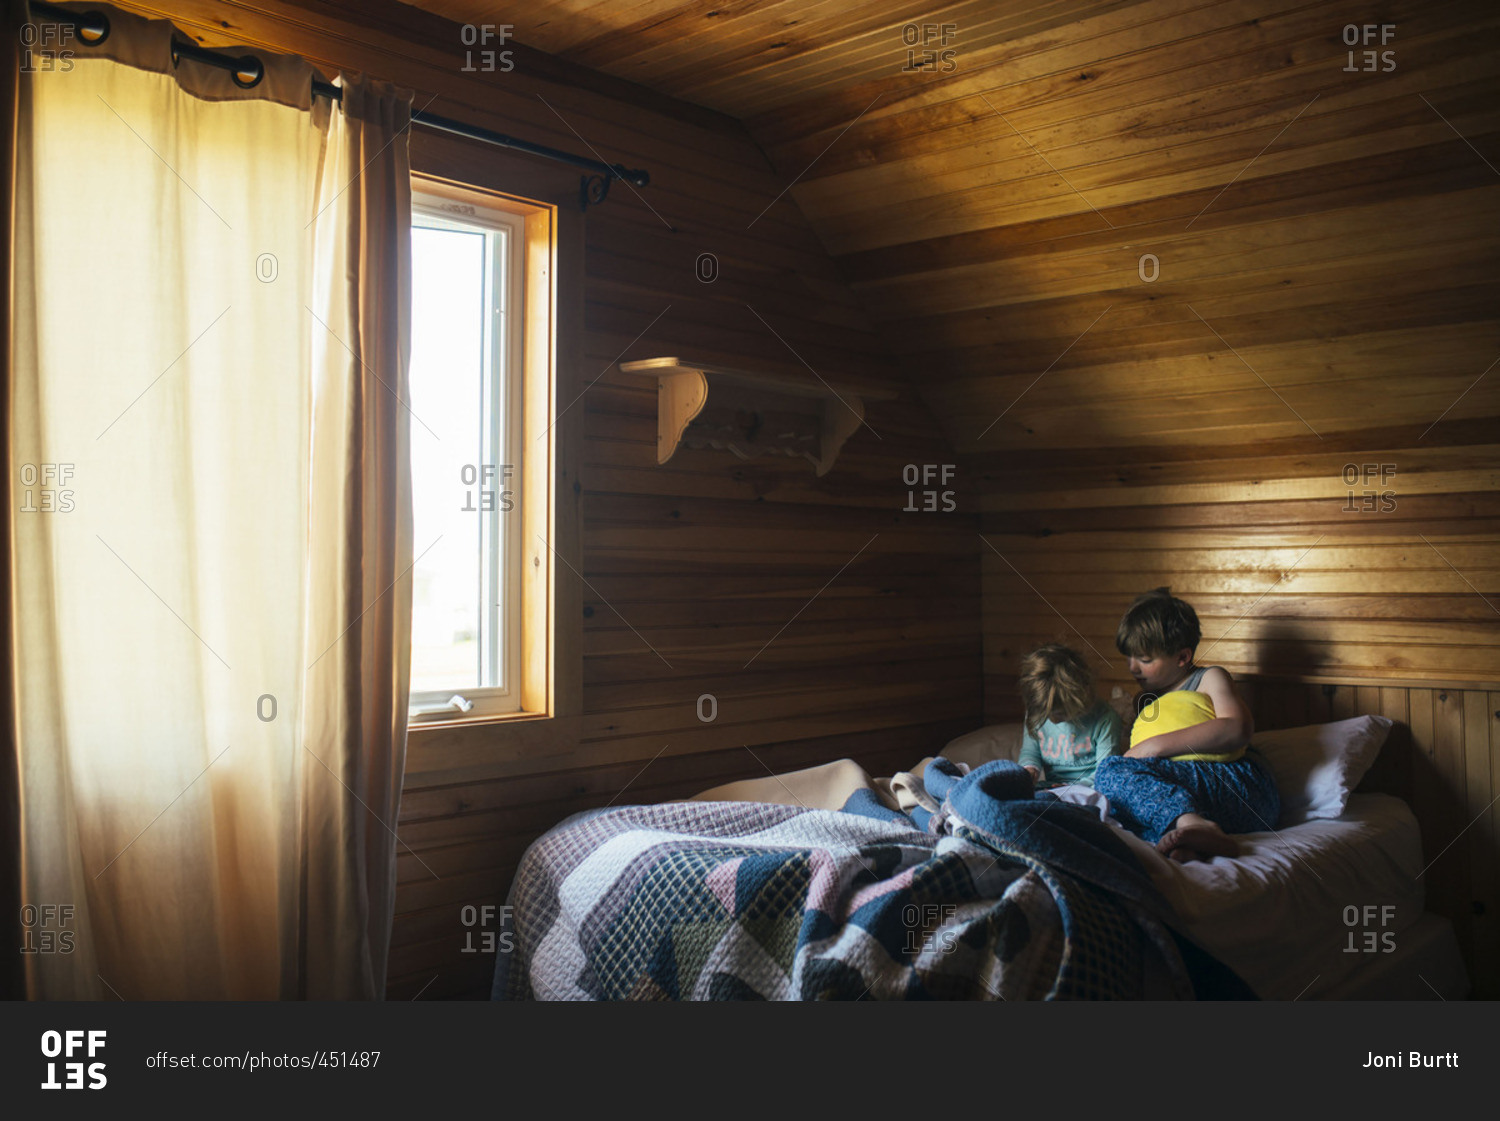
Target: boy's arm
{"points": [[1230, 729]]}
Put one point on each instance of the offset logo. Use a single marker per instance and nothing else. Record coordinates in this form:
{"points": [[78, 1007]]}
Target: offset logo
{"points": [[47, 928], [490, 499], [1376, 938], [73, 1046], [53, 496], [1374, 498], [490, 940], [490, 62], [929, 927], [1365, 35], [923, 35], [46, 46], [932, 475]]}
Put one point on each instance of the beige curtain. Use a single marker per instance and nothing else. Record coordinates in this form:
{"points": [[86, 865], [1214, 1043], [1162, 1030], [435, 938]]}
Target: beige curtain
{"points": [[357, 637], [12, 960], [211, 600]]}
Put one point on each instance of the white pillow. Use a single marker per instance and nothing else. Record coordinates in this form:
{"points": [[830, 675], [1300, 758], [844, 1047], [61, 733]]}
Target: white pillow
{"points": [[1317, 766], [996, 741]]}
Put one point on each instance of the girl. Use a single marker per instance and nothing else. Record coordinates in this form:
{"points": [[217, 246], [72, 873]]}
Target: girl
{"points": [[1068, 730]]}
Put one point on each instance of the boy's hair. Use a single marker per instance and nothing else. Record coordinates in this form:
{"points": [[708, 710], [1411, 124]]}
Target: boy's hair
{"points": [[1157, 624], [1055, 678]]}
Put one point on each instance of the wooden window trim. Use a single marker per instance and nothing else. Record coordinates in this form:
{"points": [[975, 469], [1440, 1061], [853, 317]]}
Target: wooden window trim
{"points": [[552, 596]]}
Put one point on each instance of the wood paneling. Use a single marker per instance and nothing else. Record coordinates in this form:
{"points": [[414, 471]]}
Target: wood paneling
{"points": [[826, 621], [1291, 574], [745, 58], [1179, 225]]}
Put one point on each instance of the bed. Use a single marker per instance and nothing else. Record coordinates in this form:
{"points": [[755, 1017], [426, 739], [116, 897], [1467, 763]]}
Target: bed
{"points": [[1302, 911], [827, 883]]}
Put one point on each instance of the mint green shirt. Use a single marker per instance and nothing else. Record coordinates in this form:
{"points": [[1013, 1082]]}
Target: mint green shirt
{"points": [[1069, 752]]}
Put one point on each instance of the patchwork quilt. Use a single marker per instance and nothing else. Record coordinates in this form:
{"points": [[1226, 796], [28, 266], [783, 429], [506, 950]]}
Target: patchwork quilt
{"points": [[1000, 896]]}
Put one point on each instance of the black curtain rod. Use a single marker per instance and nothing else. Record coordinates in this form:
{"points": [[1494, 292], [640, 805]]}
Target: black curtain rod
{"points": [[246, 72]]}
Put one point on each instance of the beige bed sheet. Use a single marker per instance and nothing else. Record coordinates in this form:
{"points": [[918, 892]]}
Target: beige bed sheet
{"points": [[828, 786], [825, 787]]}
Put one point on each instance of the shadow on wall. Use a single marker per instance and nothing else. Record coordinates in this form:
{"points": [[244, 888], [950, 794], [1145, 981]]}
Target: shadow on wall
{"points": [[1287, 648], [1405, 768]]}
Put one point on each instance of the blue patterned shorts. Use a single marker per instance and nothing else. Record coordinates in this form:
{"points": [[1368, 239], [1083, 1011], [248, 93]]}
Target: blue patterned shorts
{"points": [[1147, 796]]}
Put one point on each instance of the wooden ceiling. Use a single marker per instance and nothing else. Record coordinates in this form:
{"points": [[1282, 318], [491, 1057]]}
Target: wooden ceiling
{"points": [[744, 57], [1177, 226]]}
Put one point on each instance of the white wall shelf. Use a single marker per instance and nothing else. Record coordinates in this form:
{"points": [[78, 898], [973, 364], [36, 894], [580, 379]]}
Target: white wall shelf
{"points": [[700, 405]]}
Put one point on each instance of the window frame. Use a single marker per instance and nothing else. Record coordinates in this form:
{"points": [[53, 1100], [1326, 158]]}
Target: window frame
{"points": [[530, 569], [502, 445]]}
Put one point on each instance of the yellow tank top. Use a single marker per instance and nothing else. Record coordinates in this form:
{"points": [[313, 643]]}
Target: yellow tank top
{"points": [[1174, 711]]}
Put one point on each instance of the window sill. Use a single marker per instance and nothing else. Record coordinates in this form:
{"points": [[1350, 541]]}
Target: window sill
{"points": [[450, 722]]}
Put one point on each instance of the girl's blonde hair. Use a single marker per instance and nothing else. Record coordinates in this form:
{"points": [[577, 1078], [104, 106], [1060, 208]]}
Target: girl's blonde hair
{"points": [[1054, 678]]}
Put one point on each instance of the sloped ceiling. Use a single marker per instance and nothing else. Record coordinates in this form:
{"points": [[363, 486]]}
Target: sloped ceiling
{"points": [[1150, 229], [744, 57]]}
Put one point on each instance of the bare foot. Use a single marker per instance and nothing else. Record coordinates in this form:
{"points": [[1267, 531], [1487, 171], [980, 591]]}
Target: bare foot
{"points": [[1196, 838]]}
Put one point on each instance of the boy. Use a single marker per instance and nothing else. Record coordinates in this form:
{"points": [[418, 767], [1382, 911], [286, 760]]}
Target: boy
{"points": [[1185, 790]]}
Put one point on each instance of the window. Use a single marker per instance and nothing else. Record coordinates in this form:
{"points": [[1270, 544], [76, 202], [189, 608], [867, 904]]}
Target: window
{"points": [[480, 452]]}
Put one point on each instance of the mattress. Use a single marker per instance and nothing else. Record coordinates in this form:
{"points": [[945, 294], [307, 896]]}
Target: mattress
{"points": [[1425, 965], [1303, 907]]}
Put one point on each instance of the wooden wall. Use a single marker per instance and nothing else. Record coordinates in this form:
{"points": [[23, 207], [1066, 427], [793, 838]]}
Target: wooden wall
{"points": [[859, 623], [1179, 228], [1286, 577], [1172, 277]]}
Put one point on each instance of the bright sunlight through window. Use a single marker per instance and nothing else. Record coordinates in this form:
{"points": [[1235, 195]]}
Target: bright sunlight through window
{"points": [[467, 456]]}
